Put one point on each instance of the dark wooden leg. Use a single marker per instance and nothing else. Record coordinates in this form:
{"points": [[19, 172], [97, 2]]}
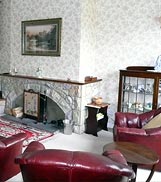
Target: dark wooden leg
{"points": [[151, 173], [134, 167]]}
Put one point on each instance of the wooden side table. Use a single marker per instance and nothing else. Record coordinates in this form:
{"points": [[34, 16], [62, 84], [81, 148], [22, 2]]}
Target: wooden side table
{"points": [[97, 118], [135, 155]]}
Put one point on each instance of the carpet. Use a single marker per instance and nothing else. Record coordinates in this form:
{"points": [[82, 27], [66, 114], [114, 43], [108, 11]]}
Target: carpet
{"points": [[9, 128]]}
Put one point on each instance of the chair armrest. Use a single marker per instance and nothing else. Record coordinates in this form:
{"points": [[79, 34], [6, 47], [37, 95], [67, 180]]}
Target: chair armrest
{"points": [[32, 147], [116, 156], [153, 131], [135, 131], [6, 142], [124, 132]]}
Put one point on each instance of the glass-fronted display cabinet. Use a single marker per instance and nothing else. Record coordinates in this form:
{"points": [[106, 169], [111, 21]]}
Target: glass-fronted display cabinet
{"points": [[139, 89]]}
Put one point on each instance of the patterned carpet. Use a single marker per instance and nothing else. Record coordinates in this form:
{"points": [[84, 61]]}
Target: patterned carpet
{"points": [[9, 128]]}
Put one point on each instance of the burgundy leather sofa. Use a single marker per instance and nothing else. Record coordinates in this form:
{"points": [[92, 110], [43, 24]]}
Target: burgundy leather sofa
{"points": [[9, 149], [54, 165], [128, 127]]}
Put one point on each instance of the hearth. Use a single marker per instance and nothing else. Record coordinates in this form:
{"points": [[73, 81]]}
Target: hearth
{"points": [[49, 116], [49, 126]]}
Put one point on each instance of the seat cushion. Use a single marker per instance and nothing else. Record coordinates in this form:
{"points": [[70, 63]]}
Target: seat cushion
{"points": [[153, 123]]}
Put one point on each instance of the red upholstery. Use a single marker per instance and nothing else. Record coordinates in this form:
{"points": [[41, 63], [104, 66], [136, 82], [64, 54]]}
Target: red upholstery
{"points": [[128, 127], [9, 149], [53, 165]]}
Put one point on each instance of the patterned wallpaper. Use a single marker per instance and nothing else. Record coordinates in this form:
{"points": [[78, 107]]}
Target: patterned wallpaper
{"points": [[5, 35], [87, 41], [127, 34], [99, 37], [66, 66]]}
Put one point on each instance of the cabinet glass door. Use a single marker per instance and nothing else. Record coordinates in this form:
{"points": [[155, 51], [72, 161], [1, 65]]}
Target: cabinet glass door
{"points": [[137, 94], [159, 94]]}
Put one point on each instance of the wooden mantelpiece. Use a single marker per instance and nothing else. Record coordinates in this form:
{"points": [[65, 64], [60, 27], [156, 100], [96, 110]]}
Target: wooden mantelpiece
{"points": [[50, 79]]}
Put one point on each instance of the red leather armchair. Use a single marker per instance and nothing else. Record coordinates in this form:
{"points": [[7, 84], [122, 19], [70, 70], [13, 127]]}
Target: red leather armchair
{"points": [[128, 127], [9, 149], [49, 165]]}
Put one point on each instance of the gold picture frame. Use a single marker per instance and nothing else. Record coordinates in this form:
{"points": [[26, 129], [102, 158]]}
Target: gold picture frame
{"points": [[41, 37]]}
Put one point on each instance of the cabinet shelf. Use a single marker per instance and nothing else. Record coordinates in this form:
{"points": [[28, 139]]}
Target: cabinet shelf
{"points": [[147, 93], [139, 89]]}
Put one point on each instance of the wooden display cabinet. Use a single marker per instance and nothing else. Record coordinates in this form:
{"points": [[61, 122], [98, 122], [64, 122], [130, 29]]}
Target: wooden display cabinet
{"points": [[139, 89]]}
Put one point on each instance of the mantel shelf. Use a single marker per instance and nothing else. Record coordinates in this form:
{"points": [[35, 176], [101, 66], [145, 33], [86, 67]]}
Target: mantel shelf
{"points": [[50, 79]]}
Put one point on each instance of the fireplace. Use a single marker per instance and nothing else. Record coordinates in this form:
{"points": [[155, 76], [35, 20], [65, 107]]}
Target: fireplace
{"points": [[66, 99], [47, 107]]}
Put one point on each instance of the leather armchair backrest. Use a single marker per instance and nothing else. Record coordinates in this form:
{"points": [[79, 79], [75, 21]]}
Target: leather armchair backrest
{"points": [[146, 117], [134, 120], [157, 111], [128, 120], [10, 148], [74, 166], [146, 137]]}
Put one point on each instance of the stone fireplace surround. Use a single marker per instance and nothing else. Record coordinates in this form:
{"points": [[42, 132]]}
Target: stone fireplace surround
{"points": [[70, 96]]}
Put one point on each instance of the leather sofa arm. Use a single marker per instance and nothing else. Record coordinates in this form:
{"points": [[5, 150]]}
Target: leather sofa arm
{"points": [[133, 131], [153, 131], [116, 156], [125, 133], [6, 142], [32, 147]]}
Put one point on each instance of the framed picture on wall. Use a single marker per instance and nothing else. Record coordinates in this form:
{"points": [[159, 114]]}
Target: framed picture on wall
{"points": [[31, 104], [41, 37]]}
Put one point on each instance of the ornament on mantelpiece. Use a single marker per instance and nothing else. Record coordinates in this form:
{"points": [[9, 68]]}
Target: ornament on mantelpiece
{"points": [[158, 64], [97, 100], [39, 72]]}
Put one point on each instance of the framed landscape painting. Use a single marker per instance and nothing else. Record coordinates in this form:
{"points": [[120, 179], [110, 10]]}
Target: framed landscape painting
{"points": [[41, 37]]}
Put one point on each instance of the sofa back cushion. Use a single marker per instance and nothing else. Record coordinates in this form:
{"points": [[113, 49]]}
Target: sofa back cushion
{"points": [[74, 166], [130, 120]]}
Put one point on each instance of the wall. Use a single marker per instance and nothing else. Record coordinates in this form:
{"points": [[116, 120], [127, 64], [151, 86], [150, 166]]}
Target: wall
{"points": [[5, 35], [66, 66], [128, 33], [77, 45], [87, 41], [98, 38]]}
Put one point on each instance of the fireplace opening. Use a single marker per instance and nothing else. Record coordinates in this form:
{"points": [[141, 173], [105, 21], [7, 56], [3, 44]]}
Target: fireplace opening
{"points": [[51, 108], [51, 115]]}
